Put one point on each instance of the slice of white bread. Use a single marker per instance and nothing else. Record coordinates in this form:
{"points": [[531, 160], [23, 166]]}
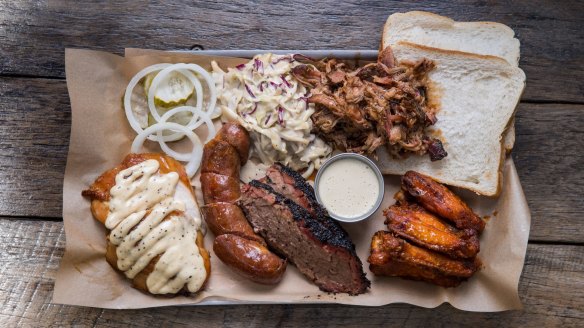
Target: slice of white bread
{"points": [[483, 38], [428, 29], [476, 96]]}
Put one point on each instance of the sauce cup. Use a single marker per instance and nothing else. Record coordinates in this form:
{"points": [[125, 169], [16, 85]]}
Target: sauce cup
{"points": [[353, 187]]}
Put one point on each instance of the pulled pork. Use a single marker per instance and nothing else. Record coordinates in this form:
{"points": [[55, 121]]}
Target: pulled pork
{"points": [[359, 110]]}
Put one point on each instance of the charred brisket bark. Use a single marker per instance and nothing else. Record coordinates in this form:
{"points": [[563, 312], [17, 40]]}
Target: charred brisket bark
{"points": [[321, 250]]}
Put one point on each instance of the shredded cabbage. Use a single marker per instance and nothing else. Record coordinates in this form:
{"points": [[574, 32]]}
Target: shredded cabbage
{"points": [[266, 99]]}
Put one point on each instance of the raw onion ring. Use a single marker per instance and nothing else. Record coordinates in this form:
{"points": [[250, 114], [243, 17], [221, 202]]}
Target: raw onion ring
{"points": [[202, 118], [152, 106], [130, 88], [165, 69], [196, 155], [183, 67]]}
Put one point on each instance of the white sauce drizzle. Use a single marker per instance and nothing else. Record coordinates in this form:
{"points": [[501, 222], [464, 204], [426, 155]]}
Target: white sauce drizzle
{"points": [[139, 202], [348, 188]]}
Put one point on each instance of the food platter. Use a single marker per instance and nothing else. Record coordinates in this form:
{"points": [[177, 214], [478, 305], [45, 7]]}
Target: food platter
{"points": [[94, 80]]}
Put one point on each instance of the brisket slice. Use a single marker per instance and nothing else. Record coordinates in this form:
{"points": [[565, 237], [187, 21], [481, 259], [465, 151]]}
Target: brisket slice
{"points": [[291, 184], [328, 259]]}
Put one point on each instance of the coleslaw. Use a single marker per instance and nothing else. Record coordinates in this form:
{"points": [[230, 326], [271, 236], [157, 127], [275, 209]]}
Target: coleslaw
{"points": [[268, 101]]}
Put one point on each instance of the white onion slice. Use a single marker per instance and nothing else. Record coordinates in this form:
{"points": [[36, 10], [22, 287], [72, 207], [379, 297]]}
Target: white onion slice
{"points": [[130, 88], [199, 117], [166, 69], [152, 90], [216, 113], [202, 118], [195, 156], [187, 67]]}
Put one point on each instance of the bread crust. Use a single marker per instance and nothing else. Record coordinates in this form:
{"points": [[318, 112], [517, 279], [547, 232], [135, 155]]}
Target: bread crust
{"points": [[454, 52]]}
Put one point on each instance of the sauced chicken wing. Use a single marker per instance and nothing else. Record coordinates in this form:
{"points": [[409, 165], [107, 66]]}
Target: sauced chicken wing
{"points": [[391, 256], [438, 199], [414, 223]]}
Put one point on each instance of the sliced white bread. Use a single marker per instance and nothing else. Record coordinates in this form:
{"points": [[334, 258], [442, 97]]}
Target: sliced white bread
{"points": [[428, 29], [476, 96], [483, 38]]}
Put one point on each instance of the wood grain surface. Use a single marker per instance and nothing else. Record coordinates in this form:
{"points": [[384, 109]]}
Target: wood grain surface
{"points": [[35, 33], [35, 120]]}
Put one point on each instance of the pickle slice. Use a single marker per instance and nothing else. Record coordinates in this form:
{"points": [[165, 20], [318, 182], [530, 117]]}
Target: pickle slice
{"points": [[174, 90]]}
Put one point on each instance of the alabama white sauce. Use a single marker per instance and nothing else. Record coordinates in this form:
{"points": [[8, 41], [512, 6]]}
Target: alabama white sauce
{"points": [[348, 188], [139, 202]]}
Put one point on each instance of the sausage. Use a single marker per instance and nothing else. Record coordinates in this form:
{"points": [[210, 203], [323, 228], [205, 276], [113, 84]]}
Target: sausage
{"points": [[219, 188], [227, 218], [236, 244], [221, 158], [238, 137], [249, 258]]}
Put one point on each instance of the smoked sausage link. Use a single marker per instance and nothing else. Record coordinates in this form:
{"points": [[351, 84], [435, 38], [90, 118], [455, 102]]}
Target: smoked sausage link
{"points": [[219, 188], [249, 258], [236, 244], [227, 218], [221, 158], [238, 137]]}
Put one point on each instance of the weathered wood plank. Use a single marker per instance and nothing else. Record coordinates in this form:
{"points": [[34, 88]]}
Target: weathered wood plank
{"points": [[34, 34], [35, 116], [32, 250], [549, 160]]}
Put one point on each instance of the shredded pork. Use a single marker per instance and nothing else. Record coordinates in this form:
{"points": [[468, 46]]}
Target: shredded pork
{"points": [[359, 110]]}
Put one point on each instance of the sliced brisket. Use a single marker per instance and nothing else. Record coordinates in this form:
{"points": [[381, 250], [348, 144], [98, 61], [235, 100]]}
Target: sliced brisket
{"points": [[323, 255], [291, 184]]}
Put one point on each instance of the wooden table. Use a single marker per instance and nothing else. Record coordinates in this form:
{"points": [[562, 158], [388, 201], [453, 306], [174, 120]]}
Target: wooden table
{"points": [[35, 122]]}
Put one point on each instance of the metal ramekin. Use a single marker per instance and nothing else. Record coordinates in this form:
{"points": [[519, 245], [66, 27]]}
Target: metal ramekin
{"points": [[364, 160]]}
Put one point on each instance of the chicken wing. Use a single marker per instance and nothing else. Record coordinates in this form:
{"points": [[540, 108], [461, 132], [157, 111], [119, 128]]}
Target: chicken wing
{"points": [[415, 224], [392, 256], [438, 199]]}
